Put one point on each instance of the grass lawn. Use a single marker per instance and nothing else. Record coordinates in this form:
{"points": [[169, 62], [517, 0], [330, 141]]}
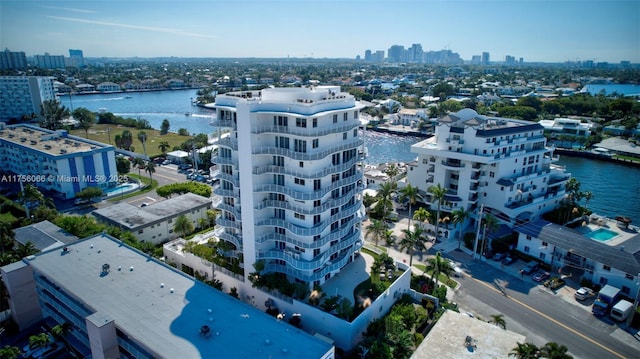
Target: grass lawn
{"points": [[8, 218], [98, 132], [442, 279]]}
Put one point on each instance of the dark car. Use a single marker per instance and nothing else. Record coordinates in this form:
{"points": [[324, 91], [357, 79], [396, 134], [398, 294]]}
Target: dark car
{"points": [[508, 260], [531, 267], [499, 256], [541, 276]]}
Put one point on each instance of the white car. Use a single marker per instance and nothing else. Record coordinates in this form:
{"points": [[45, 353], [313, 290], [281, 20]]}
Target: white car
{"points": [[584, 293]]}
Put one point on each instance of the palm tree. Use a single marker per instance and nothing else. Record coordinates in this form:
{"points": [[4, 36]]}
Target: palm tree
{"points": [[377, 228], [26, 250], [142, 136], [61, 330], [438, 193], [164, 146], [498, 319], [460, 215], [183, 225], [588, 195], [150, 168], [389, 237], [412, 240], [391, 171], [411, 194], [525, 351], [553, 350], [138, 163], [387, 189], [6, 236], [491, 224], [438, 265], [422, 215]]}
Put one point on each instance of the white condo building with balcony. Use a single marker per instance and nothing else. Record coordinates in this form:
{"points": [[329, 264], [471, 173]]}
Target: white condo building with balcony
{"points": [[290, 180], [502, 164]]}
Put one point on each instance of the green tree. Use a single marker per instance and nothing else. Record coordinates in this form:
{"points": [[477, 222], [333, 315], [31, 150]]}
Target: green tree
{"points": [[85, 119], [126, 140], [90, 193], [588, 195], [122, 165], [422, 215], [412, 241], [410, 194], [442, 88], [52, 114], [39, 340], [150, 168], [183, 225], [26, 250], [525, 351], [164, 128], [7, 236], [164, 146], [377, 229], [438, 265], [29, 196], [142, 136], [183, 132], [138, 163], [490, 225], [392, 171], [460, 215], [438, 194], [498, 319], [9, 352], [552, 350], [387, 189]]}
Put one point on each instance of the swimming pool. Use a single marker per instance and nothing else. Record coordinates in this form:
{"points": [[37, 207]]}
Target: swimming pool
{"points": [[601, 234], [121, 189]]}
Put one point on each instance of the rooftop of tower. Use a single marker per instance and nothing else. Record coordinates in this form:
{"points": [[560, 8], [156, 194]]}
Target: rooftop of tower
{"points": [[488, 126]]}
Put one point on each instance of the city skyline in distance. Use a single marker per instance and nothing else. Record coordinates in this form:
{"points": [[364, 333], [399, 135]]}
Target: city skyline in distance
{"points": [[536, 30]]}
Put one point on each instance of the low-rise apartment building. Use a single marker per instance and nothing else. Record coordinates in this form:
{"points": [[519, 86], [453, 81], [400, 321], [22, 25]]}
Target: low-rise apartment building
{"points": [[56, 161], [154, 223]]}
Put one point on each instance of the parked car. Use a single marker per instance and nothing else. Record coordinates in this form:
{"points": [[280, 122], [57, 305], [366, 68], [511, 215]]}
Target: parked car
{"points": [[584, 293], [540, 276], [499, 256], [144, 204], [508, 260], [531, 267], [166, 162]]}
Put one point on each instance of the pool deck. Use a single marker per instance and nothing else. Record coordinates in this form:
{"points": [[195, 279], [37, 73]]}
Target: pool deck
{"points": [[624, 234]]}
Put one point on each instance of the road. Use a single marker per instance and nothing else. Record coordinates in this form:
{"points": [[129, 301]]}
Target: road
{"points": [[540, 314]]}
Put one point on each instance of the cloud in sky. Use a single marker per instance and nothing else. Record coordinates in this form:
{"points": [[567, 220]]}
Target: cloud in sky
{"points": [[84, 11], [137, 27]]}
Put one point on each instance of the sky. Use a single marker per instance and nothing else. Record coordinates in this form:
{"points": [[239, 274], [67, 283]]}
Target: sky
{"points": [[536, 30]]}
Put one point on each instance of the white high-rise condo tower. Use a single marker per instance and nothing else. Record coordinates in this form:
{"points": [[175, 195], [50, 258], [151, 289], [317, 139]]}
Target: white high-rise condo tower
{"points": [[290, 180]]}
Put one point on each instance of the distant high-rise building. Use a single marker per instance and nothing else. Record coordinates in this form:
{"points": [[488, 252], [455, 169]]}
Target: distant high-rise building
{"points": [[396, 53], [76, 59], [442, 57], [378, 56], [485, 58], [415, 53], [509, 60], [367, 55], [47, 61], [476, 59], [12, 60], [625, 64], [23, 95]]}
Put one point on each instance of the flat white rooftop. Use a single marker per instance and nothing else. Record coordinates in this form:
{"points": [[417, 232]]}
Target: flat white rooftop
{"points": [[164, 309]]}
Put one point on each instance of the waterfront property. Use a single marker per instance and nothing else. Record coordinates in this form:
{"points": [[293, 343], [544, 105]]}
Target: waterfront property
{"points": [[24, 95], [154, 223], [598, 250], [123, 304], [500, 163], [56, 161], [566, 127], [290, 181]]}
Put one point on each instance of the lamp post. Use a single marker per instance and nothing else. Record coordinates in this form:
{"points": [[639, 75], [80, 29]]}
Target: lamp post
{"points": [[635, 303]]}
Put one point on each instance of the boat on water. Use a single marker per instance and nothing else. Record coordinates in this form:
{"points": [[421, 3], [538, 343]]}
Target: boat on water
{"points": [[128, 96], [187, 114]]}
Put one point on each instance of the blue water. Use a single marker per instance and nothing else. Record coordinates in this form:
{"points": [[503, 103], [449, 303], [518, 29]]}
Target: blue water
{"points": [[152, 106], [608, 89], [601, 234], [615, 188]]}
